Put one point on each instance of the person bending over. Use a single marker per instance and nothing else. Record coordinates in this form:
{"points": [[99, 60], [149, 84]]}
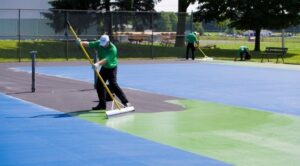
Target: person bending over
{"points": [[107, 55], [244, 53]]}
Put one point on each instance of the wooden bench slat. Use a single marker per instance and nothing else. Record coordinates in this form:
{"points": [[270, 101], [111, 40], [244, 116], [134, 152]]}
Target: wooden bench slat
{"points": [[278, 51]]}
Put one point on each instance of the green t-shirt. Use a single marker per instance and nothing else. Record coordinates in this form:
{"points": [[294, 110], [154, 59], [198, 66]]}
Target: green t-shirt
{"points": [[191, 38], [243, 49], [109, 54]]}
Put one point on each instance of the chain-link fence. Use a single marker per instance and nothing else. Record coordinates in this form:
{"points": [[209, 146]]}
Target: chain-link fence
{"points": [[136, 34]]}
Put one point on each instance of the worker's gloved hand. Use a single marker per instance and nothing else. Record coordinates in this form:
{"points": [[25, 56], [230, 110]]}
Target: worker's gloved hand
{"points": [[78, 41], [95, 66]]}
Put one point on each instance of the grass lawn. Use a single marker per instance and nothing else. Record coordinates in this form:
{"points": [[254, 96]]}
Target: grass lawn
{"points": [[59, 50], [227, 49]]}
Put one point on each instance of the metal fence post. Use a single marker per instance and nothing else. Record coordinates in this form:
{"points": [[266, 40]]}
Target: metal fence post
{"points": [[192, 22], [66, 37], [282, 38], [33, 58], [152, 35], [19, 35]]}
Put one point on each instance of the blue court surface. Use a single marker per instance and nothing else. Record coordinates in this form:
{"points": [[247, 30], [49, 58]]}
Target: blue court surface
{"points": [[32, 135], [267, 89]]}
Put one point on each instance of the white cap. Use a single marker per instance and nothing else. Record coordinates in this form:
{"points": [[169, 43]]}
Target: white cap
{"points": [[104, 39]]}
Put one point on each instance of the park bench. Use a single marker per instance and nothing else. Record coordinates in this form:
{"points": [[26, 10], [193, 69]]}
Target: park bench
{"points": [[167, 40], [209, 46], [277, 51], [137, 37]]}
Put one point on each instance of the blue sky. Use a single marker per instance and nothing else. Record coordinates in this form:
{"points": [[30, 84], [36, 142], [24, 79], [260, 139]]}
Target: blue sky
{"points": [[171, 5]]}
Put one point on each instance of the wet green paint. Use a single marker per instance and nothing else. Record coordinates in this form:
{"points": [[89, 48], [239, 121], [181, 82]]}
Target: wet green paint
{"points": [[234, 135]]}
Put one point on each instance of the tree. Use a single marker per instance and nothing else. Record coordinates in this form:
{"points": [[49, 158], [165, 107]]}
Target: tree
{"points": [[174, 21], [136, 5], [81, 19], [182, 7], [85, 18], [199, 28], [141, 20], [251, 14], [163, 22]]}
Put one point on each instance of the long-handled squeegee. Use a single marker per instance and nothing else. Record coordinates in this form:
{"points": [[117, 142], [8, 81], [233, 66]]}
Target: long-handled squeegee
{"points": [[205, 58], [113, 111]]}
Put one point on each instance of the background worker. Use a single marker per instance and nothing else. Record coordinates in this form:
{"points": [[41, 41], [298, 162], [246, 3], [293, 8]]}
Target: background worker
{"points": [[191, 40], [244, 53], [107, 55]]}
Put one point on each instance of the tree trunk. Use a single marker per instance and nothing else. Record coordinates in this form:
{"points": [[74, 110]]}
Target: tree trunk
{"points": [[182, 7], [257, 39], [108, 18], [180, 30]]}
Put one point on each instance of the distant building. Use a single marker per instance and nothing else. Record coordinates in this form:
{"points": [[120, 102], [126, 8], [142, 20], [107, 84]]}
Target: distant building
{"points": [[25, 4]]}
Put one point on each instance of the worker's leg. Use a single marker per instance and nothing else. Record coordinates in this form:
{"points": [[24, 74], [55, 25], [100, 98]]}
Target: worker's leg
{"points": [[112, 79], [247, 55], [187, 52], [241, 55], [193, 51], [101, 92]]}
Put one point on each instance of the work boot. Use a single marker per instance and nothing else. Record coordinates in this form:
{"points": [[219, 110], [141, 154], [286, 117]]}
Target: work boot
{"points": [[99, 107], [127, 104]]}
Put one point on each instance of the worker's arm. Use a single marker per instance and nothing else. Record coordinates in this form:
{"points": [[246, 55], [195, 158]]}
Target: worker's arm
{"points": [[101, 62], [83, 43], [98, 64]]}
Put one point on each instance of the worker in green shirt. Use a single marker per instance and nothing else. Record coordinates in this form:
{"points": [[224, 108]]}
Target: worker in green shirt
{"points": [[191, 39], [244, 53], [107, 55]]}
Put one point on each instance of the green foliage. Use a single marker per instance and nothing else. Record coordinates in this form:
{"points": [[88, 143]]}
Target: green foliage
{"points": [[229, 30], [254, 14], [276, 14], [223, 24], [82, 19], [198, 27], [165, 22], [136, 5], [88, 13], [174, 20]]}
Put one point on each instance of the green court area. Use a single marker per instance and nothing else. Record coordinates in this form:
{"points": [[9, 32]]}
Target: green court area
{"points": [[230, 134]]}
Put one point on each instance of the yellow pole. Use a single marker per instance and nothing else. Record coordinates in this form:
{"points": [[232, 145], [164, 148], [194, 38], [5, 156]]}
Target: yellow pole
{"points": [[201, 51], [95, 69]]}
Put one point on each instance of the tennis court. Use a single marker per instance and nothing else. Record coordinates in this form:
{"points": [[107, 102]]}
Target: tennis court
{"points": [[236, 114]]}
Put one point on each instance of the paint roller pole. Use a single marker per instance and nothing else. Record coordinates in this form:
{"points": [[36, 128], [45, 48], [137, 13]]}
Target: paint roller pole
{"points": [[33, 57], [95, 74]]}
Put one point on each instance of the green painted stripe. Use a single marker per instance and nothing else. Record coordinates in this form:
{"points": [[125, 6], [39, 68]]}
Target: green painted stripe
{"points": [[234, 135]]}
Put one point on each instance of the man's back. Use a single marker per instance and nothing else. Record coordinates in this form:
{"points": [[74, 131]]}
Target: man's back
{"points": [[191, 38]]}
